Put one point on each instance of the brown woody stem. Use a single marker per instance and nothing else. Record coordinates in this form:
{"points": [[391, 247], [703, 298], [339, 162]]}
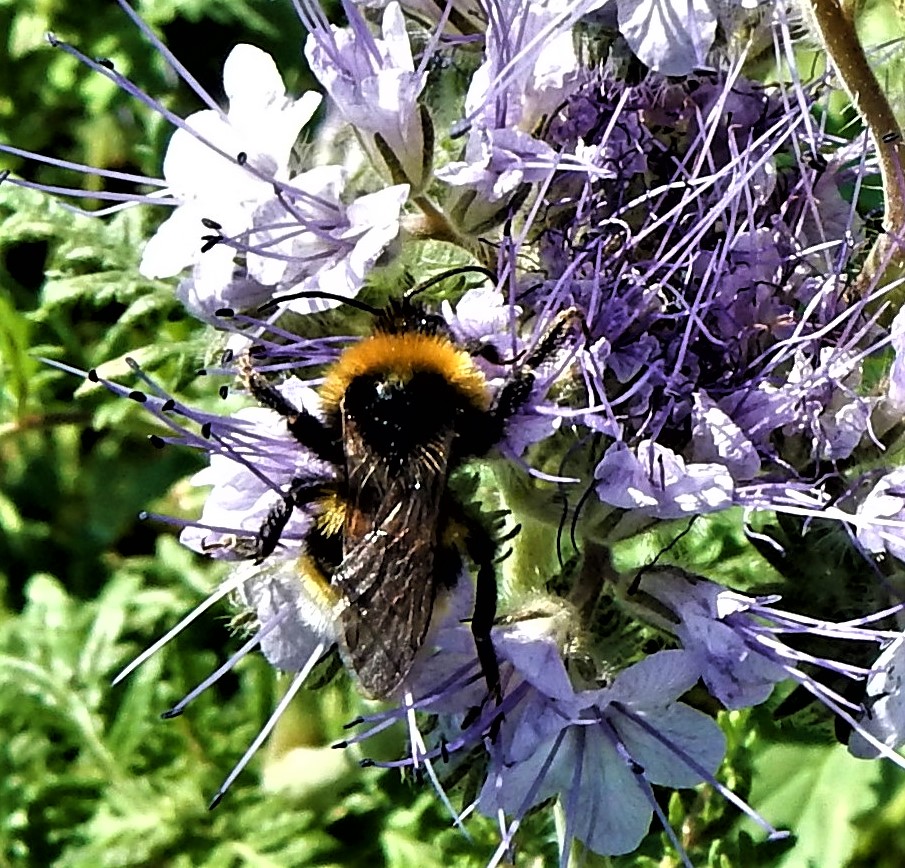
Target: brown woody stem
{"points": [[836, 29]]}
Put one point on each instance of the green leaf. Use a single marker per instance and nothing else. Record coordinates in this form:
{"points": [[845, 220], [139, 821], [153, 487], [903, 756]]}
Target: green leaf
{"points": [[818, 793]]}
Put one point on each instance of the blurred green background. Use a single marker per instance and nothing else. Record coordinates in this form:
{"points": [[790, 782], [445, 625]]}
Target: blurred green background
{"points": [[89, 773]]}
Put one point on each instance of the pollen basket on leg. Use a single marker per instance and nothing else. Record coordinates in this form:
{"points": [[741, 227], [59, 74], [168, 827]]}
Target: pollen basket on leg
{"points": [[404, 355]]}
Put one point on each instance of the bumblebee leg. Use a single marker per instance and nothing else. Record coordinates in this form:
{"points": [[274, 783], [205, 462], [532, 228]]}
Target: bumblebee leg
{"points": [[272, 529], [301, 492], [481, 549], [518, 386], [304, 427]]}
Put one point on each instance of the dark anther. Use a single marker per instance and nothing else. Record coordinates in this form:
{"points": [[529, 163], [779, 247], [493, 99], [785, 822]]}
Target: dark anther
{"points": [[889, 138], [135, 395], [207, 223], [104, 62], [471, 716], [143, 515], [225, 312], [366, 763], [241, 158], [340, 745], [93, 376], [223, 392], [635, 584], [491, 354], [168, 405], [206, 430], [226, 357], [157, 441], [210, 242], [170, 713]]}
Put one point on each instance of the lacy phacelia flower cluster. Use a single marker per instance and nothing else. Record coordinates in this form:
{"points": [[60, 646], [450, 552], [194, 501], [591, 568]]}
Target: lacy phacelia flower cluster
{"points": [[697, 224]]}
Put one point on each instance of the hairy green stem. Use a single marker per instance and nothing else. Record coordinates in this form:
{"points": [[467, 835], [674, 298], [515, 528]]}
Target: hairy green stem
{"points": [[434, 223]]}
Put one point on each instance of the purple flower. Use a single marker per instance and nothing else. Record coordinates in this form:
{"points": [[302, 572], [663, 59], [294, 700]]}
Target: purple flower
{"points": [[495, 165], [482, 317], [717, 358], [655, 481], [374, 84], [735, 670], [252, 461], [530, 64], [884, 705], [717, 439], [738, 642], [305, 239], [599, 751], [530, 67], [672, 37], [881, 515]]}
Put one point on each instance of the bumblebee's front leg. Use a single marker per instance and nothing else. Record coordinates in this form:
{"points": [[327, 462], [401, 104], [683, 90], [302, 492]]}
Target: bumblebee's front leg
{"points": [[310, 431], [517, 389]]}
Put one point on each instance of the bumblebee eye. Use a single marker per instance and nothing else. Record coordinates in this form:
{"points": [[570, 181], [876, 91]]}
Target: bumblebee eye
{"points": [[433, 324]]}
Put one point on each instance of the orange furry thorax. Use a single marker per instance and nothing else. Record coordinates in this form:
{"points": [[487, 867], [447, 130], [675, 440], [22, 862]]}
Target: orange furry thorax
{"points": [[402, 356]]}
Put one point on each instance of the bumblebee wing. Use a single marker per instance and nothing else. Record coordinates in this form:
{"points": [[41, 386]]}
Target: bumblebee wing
{"points": [[388, 586], [388, 579]]}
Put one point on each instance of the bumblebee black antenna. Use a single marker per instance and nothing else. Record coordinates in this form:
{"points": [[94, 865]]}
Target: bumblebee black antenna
{"points": [[453, 272], [636, 582], [316, 293]]}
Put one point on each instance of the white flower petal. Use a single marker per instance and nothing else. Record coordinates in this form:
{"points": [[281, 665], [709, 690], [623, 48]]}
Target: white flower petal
{"points": [[249, 74], [670, 36]]}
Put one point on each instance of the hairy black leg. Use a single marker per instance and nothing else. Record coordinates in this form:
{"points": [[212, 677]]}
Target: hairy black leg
{"points": [[555, 337], [481, 548], [272, 529], [518, 386], [307, 429], [301, 492]]}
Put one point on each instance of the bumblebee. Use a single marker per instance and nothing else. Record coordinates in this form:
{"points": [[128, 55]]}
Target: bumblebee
{"points": [[401, 410]]}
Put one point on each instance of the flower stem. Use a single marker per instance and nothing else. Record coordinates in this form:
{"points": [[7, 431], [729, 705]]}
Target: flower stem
{"points": [[433, 223], [836, 28]]}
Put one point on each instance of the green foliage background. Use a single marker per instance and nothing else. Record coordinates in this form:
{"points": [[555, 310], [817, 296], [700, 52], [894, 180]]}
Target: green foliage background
{"points": [[89, 774]]}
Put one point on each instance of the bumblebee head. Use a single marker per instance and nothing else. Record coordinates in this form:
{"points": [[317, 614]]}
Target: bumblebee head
{"points": [[404, 316]]}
